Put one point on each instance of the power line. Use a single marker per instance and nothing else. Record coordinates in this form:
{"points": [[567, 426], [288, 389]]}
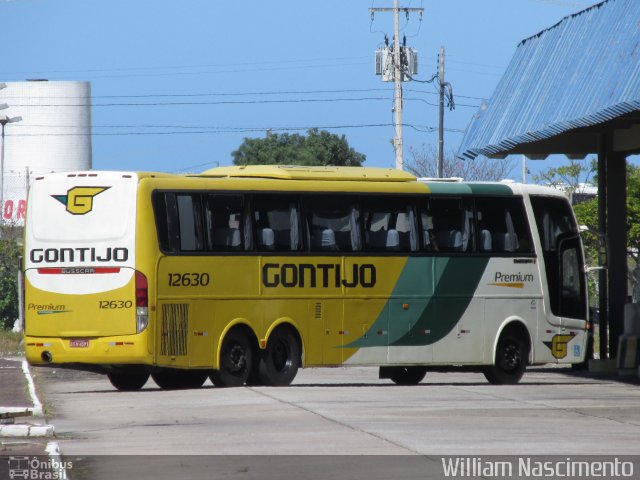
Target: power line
{"points": [[225, 102], [201, 130], [239, 94], [178, 67], [436, 105], [209, 94], [457, 95], [229, 102], [216, 72]]}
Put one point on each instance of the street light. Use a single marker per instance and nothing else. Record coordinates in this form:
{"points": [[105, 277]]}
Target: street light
{"points": [[3, 121]]}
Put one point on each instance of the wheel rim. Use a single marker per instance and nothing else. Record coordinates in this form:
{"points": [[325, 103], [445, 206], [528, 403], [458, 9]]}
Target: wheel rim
{"points": [[236, 359], [511, 358], [281, 356]]}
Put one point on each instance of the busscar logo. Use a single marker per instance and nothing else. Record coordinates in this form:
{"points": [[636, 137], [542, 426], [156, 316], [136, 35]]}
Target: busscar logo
{"points": [[558, 345], [79, 200]]}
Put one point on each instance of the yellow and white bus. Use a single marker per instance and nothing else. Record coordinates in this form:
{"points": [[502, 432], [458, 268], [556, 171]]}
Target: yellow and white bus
{"points": [[245, 274]]}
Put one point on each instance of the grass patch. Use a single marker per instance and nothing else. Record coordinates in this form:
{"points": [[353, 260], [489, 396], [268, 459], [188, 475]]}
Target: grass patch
{"points": [[11, 344]]}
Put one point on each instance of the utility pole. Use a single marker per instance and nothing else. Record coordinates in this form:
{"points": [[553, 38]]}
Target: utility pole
{"points": [[440, 166], [398, 73], [397, 91]]}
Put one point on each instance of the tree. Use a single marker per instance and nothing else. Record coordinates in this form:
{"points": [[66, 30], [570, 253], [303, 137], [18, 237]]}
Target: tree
{"points": [[10, 252], [423, 163], [587, 214], [318, 147], [573, 178]]}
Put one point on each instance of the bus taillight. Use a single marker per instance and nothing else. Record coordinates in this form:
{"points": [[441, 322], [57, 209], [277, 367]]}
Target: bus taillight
{"points": [[142, 302]]}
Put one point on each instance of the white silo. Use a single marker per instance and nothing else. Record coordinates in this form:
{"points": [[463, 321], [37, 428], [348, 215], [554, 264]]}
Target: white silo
{"points": [[51, 132]]}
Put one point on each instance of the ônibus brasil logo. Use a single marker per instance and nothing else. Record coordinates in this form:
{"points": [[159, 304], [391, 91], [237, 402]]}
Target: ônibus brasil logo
{"points": [[79, 200]]}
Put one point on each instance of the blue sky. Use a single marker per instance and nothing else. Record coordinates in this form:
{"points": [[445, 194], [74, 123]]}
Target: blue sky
{"points": [[177, 85]]}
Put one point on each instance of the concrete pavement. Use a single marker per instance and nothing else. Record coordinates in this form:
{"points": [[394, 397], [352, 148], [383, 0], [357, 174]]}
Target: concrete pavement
{"points": [[349, 411], [23, 428]]}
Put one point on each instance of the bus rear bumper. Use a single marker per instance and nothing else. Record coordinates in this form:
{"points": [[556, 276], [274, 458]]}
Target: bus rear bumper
{"points": [[120, 350]]}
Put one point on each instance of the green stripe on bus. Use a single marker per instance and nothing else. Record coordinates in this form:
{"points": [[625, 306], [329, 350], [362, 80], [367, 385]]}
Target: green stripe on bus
{"points": [[449, 187], [490, 189], [453, 294], [456, 280], [469, 188]]}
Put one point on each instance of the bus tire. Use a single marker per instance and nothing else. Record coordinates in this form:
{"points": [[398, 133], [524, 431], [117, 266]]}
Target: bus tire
{"points": [[127, 381], [235, 360], [174, 379], [254, 380], [510, 362], [280, 361], [407, 375]]}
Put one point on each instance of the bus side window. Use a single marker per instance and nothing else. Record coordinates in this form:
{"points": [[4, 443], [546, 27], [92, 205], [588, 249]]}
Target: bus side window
{"points": [[190, 222], [389, 225], [277, 223], [179, 222], [453, 226], [332, 224], [224, 215], [502, 225], [166, 215], [428, 243]]}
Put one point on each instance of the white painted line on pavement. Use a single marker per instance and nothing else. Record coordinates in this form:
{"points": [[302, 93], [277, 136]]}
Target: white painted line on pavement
{"points": [[53, 449], [37, 405]]}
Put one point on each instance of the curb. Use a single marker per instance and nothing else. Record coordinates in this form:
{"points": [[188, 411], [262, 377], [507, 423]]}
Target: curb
{"points": [[27, 430], [37, 405]]}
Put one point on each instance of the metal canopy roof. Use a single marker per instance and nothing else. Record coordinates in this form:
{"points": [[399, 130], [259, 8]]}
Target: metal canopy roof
{"points": [[564, 84]]}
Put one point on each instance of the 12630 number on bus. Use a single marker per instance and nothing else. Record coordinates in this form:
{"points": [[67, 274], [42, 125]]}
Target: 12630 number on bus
{"points": [[189, 279]]}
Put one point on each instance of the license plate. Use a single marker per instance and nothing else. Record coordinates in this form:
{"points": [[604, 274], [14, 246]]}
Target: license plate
{"points": [[79, 343]]}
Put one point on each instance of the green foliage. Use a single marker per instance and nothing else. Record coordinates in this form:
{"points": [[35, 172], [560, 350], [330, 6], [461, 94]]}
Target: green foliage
{"points": [[316, 148], [10, 344], [569, 177], [10, 251], [587, 212]]}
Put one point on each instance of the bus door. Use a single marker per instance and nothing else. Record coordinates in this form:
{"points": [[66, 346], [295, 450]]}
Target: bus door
{"points": [[565, 273], [572, 288]]}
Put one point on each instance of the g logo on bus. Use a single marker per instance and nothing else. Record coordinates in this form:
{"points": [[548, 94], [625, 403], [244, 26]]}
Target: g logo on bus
{"points": [[558, 345], [79, 200]]}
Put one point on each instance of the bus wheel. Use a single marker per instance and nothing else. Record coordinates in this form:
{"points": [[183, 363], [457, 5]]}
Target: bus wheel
{"points": [[406, 375], [174, 379], [128, 382], [510, 363], [280, 361], [254, 380], [235, 361]]}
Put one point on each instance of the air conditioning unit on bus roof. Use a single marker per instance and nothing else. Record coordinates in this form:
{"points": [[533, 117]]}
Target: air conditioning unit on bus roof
{"points": [[449, 180]]}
